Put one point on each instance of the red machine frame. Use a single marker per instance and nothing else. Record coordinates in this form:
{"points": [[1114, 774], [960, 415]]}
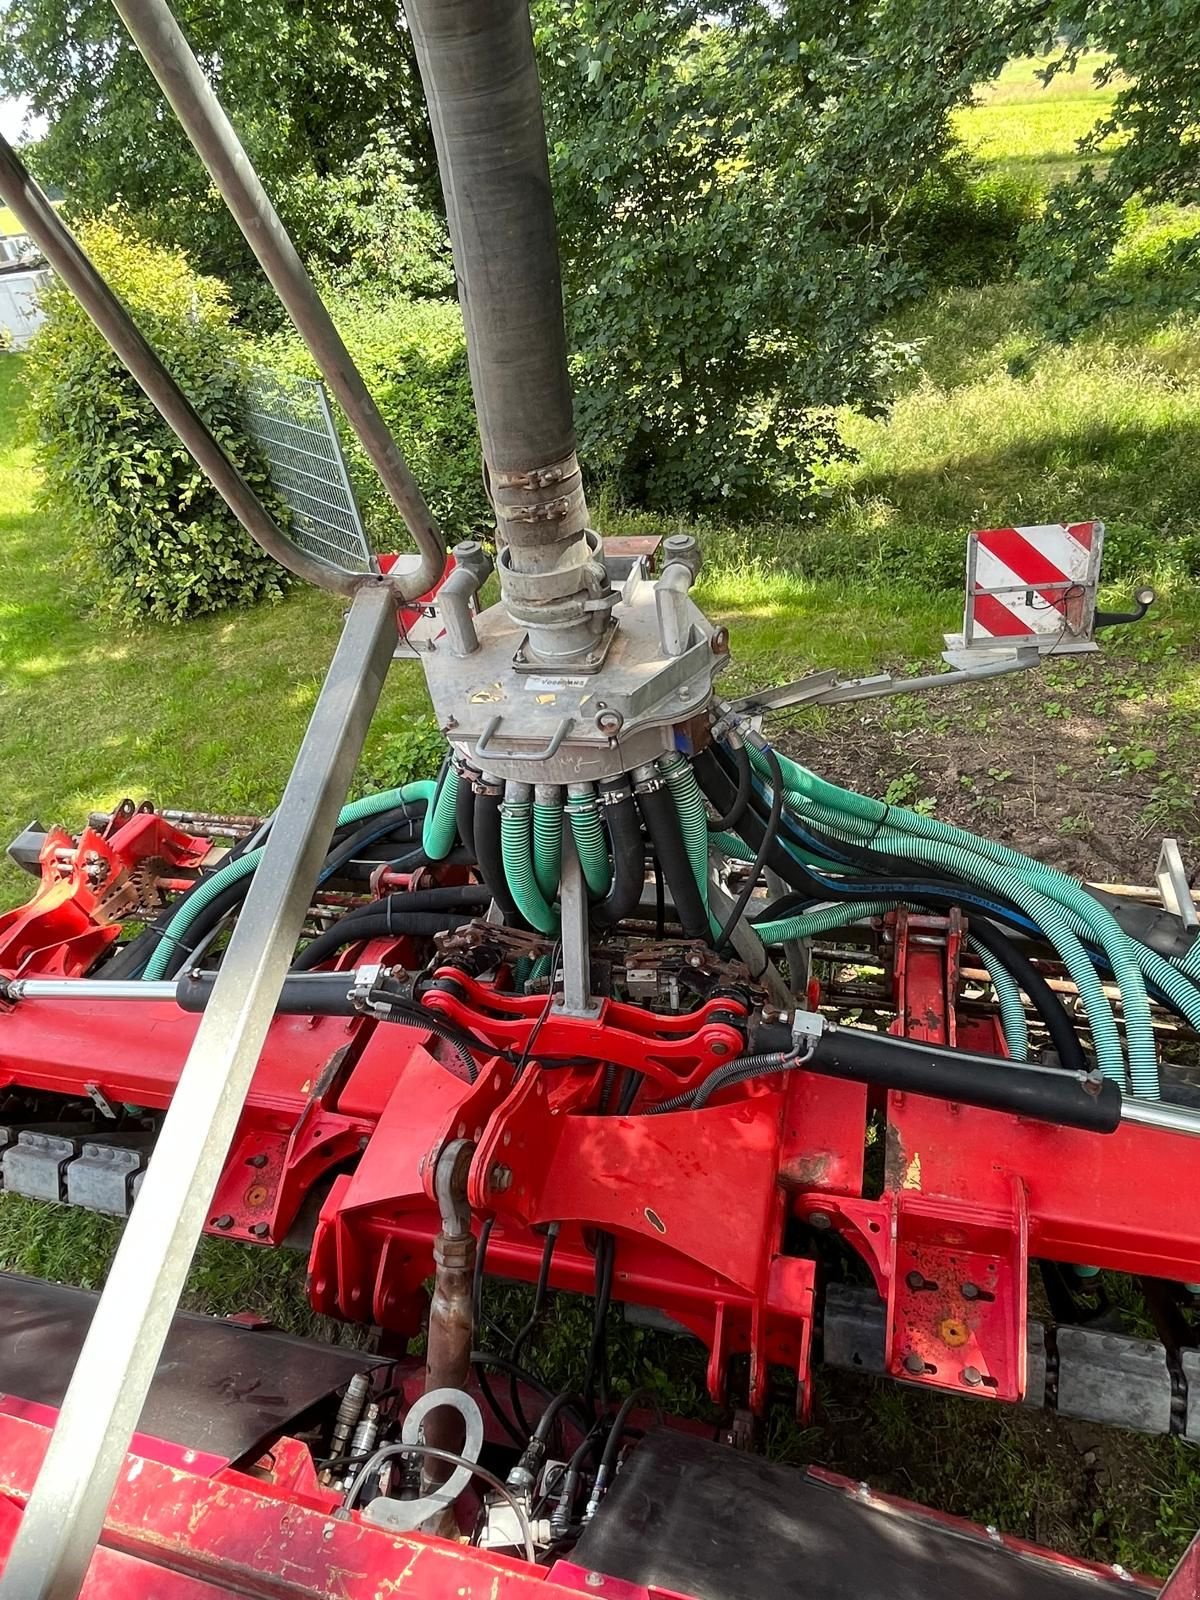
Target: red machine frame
{"points": [[699, 1202]]}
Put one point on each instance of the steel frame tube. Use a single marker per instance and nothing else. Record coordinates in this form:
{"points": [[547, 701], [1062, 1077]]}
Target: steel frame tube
{"points": [[190, 95], [65, 1513], [63, 252]]}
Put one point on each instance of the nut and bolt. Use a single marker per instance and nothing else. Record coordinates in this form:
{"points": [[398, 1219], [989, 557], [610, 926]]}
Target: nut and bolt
{"points": [[260, 1230], [259, 1160], [718, 1049], [223, 1221], [594, 1580], [969, 1291], [913, 1362], [500, 1178], [609, 722], [819, 1220], [972, 1376]]}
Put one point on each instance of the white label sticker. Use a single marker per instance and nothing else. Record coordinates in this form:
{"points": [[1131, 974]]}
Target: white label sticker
{"points": [[554, 685]]}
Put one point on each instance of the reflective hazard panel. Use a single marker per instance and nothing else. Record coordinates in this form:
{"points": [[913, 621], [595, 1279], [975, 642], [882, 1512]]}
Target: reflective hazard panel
{"points": [[1033, 586]]}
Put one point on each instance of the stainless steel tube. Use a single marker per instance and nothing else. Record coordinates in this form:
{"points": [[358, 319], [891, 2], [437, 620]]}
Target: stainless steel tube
{"points": [[190, 95], [65, 1513], [1157, 1114], [62, 250]]}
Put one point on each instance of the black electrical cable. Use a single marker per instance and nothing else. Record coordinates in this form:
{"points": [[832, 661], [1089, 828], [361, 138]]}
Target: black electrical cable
{"points": [[732, 1072], [770, 835], [730, 818], [718, 787], [596, 1365], [666, 835], [531, 1322], [389, 1452], [477, 1321]]}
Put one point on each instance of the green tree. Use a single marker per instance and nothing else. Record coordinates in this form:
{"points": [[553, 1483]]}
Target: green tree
{"points": [[731, 192], [323, 97], [1153, 62]]}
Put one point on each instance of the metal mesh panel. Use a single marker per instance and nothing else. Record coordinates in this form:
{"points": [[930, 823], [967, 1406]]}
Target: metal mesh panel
{"points": [[293, 426]]}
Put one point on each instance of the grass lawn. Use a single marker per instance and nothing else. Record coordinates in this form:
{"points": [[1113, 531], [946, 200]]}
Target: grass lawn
{"points": [[987, 428], [1032, 129]]}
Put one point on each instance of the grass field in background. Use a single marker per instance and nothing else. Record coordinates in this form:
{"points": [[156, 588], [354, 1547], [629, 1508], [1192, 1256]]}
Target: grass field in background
{"points": [[988, 427], [1032, 129]]}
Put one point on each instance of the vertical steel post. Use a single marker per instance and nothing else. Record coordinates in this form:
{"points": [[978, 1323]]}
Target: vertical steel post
{"points": [[65, 1514]]}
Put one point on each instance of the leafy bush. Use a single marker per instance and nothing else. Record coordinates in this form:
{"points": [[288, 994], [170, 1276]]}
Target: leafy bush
{"points": [[964, 229], [152, 533], [413, 357]]}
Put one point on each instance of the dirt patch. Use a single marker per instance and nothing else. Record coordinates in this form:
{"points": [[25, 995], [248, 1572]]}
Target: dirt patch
{"points": [[1084, 763]]}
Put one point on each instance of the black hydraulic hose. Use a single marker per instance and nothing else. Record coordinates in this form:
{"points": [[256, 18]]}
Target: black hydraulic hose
{"points": [[1043, 1094], [730, 818], [662, 824], [612, 1444], [489, 854], [596, 1366], [531, 1322], [418, 924], [1041, 996], [464, 813], [628, 854], [449, 897], [769, 836]]}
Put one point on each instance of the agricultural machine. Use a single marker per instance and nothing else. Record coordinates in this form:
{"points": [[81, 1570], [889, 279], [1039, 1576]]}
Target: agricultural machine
{"points": [[626, 1004]]}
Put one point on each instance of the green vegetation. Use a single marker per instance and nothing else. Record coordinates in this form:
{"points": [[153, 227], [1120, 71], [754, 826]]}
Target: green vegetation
{"points": [[1085, 762], [149, 531], [1027, 128]]}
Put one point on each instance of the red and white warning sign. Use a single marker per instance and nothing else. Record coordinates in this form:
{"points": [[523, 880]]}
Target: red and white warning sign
{"points": [[1033, 585]]}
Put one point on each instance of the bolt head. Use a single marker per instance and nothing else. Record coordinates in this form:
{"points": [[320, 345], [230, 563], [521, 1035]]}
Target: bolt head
{"points": [[821, 1220], [972, 1376], [500, 1178], [594, 1580], [223, 1221], [259, 1230], [913, 1362]]}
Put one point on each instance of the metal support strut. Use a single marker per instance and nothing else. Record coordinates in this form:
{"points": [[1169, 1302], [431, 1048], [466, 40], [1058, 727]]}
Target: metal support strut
{"points": [[65, 1514]]}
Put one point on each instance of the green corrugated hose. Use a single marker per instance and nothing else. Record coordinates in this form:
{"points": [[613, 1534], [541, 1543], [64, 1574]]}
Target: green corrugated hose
{"points": [[547, 845], [911, 836], [516, 846], [591, 842], [438, 834], [1008, 998], [693, 820], [811, 924], [208, 888]]}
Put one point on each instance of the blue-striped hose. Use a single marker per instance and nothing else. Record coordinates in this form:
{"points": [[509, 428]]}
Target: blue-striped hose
{"points": [[242, 866]]}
